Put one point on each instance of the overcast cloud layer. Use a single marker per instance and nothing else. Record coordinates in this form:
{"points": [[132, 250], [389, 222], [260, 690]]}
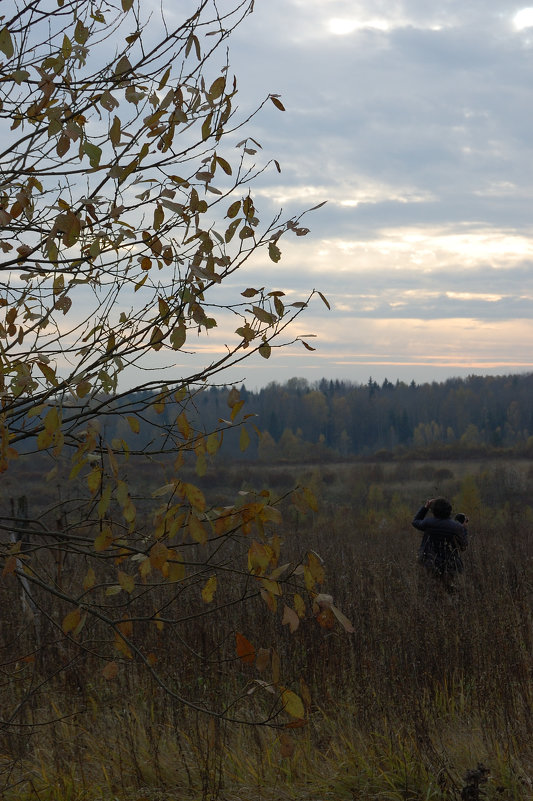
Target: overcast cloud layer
{"points": [[413, 120]]}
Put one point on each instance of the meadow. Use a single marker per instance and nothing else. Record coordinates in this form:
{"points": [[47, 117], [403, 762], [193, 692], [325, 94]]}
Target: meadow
{"points": [[431, 697]]}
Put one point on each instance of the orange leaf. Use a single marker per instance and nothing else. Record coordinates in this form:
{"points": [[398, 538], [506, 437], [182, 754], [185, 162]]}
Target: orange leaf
{"points": [[110, 671], [286, 746], [245, 649], [263, 659], [10, 565]]}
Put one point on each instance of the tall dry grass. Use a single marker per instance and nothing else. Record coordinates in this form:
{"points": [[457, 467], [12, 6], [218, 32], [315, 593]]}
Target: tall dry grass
{"points": [[428, 687]]}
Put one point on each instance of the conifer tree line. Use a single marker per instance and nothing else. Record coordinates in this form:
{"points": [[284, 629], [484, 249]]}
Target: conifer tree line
{"points": [[328, 419]]}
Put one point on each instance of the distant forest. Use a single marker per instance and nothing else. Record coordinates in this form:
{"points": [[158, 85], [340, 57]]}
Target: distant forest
{"points": [[298, 420]]}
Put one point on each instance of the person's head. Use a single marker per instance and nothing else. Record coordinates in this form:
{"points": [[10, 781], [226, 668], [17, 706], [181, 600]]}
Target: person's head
{"points": [[461, 518], [441, 508]]}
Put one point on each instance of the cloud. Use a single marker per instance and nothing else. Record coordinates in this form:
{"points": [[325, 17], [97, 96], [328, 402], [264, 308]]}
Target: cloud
{"points": [[411, 119]]}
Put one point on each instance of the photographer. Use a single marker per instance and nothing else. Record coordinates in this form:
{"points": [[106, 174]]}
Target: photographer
{"points": [[442, 540]]}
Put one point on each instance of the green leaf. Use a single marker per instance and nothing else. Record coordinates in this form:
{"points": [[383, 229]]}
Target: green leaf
{"points": [[178, 336], [123, 66], [206, 127], [114, 132], [6, 44], [228, 236], [274, 252], [81, 33], [83, 388], [234, 209], [66, 48], [225, 166], [265, 350], [19, 76], [263, 316], [126, 5], [94, 152], [217, 87]]}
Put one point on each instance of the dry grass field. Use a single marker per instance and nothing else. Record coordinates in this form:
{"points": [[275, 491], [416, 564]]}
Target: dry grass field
{"points": [[431, 697]]}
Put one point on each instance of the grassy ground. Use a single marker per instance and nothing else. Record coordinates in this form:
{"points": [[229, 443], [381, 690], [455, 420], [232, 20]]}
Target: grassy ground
{"points": [[428, 691]]}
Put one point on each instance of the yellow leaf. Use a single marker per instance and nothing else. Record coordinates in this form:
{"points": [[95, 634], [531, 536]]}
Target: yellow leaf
{"points": [[175, 566], [158, 555], [129, 512], [90, 580], [209, 589], [94, 479], [133, 423], [271, 514], [315, 567], [126, 582], [183, 425], [201, 464], [51, 421], [83, 388], [122, 493], [103, 540], [292, 704], [195, 496], [299, 605], [290, 618], [213, 443], [145, 568], [121, 646], [273, 587], [197, 530], [259, 557], [244, 439], [71, 621], [105, 500]]}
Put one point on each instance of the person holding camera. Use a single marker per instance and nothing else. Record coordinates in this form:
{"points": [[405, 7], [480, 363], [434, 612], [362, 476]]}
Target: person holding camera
{"points": [[442, 541]]}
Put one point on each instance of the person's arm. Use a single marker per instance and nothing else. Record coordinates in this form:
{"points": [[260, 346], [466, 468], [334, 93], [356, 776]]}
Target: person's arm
{"points": [[417, 521]]}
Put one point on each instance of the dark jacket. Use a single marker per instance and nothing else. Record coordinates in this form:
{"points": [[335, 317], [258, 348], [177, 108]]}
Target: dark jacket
{"points": [[441, 542]]}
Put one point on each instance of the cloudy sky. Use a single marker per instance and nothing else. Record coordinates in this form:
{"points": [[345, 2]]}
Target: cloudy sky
{"points": [[413, 121]]}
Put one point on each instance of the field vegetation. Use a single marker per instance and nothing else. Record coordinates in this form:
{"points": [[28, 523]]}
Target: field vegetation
{"points": [[431, 696]]}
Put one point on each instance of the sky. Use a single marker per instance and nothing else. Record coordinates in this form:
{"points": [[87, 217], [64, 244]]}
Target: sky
{"points": [[413, 121]]}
